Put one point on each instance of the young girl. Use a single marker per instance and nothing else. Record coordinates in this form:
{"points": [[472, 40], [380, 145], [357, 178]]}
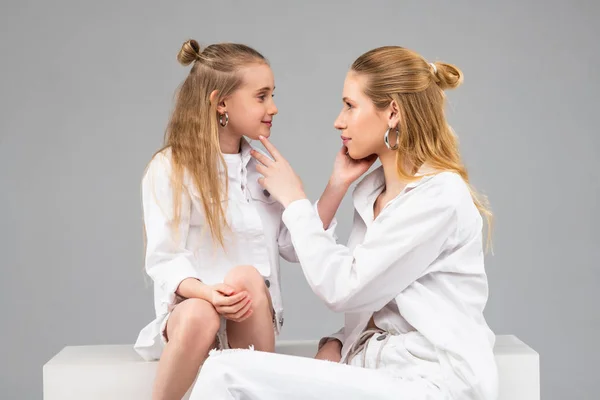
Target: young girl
{"points": [[411, 281], [214, 236]]}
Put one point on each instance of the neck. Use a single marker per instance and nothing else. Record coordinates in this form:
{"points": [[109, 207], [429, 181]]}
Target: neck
{"points": [[230, 144], [393, 184]]}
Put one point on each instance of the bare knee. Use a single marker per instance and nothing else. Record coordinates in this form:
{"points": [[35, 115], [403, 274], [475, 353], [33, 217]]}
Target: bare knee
{"points": [[191, 320], [245, 277]]}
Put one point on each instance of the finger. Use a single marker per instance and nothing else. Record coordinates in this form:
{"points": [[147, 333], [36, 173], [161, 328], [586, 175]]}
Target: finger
{"points": [[247, 315], [224, 289], [231, 300], [260, 157], [270, 148], [243, 315], [236, 298], [237, 315], [261, 169], [343, 150], [261, 182], [235, 308]]}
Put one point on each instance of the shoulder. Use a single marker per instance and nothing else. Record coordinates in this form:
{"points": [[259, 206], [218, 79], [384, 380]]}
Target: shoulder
{"points": [[445, 193], [450, 187], [160, 167], [162, 159], [450, 192]]}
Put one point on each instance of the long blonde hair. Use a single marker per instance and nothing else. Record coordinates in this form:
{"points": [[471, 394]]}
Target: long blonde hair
{"points": [[399, 74], [193, 134]]}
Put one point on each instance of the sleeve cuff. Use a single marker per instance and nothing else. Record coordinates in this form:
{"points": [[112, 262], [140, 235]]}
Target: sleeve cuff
{"points": [[298, 211], [183, 271]]}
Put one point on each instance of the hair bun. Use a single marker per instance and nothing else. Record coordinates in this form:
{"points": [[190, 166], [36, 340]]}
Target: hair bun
{"points": [[447, 75], [190, 52]]}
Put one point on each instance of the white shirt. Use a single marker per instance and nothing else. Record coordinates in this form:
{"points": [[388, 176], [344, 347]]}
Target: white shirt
{"points": [[257, 237], [418, 269]]}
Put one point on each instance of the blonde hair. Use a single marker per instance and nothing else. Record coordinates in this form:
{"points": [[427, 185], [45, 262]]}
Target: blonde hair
{"points": [[193, 134], [398, 74]]}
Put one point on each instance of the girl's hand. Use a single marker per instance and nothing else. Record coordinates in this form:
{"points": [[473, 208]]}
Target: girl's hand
{"points": [[278, 176], [232, 306]]}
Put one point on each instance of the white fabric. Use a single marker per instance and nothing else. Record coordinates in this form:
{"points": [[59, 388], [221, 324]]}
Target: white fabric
{"points": [[418, 269], [257, 237], [253, 375]]}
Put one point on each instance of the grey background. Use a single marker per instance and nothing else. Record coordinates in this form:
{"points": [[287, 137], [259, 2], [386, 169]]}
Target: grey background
{"points": [[85, 93]]}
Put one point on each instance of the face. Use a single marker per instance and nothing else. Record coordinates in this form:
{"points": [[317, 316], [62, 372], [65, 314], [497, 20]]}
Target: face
{"points": [[361, 124], [251, 108]]}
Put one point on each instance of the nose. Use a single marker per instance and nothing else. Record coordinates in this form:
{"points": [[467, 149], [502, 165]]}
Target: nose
{"points": [[273, 109], [339, 122]]}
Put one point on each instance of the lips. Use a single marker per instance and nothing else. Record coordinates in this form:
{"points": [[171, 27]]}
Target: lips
{"points": [[345, 139], [269, 123]]}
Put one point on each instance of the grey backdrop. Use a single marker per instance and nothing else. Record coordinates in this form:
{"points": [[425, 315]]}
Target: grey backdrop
{"points": [[85, 93]]}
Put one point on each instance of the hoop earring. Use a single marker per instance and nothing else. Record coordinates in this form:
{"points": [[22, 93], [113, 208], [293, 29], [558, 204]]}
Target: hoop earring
{"points": [[221, 122], [387, 140]]}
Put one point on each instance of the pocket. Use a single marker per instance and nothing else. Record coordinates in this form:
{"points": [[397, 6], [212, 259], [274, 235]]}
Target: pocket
{"points": [[198, 215], [232, 211], [419, 348], [259, 194], [194, 193]]}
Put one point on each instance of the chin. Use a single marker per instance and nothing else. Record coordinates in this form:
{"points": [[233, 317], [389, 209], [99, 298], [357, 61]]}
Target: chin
{"points": [[266, 133], [354, 155], [262, 131]]}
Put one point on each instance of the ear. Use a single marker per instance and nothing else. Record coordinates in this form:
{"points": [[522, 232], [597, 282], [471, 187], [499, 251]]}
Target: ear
{"points": [[221, 107], [393, 114]]}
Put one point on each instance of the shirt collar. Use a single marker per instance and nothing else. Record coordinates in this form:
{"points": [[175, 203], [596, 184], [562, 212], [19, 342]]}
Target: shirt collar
{"points": [[372, 185], [243, 156], [246, 148]]}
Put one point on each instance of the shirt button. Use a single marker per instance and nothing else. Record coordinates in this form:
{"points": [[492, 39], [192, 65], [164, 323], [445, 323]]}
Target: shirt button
{"points": [[268, 283], [381, 337], [281, 321], [266, 193]]}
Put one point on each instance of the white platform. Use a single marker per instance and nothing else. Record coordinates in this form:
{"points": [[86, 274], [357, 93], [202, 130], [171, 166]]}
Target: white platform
{"points": [[117, 372]]}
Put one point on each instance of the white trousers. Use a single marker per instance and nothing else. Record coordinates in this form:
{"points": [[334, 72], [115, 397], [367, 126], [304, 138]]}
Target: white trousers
{"points": [[254, 375]]}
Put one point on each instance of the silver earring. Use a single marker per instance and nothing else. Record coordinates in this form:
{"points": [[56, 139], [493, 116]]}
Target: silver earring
{"points": [[387, 140], [222, 122]]}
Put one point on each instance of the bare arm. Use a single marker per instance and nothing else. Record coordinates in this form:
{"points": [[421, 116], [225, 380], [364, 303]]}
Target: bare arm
{"points": [[330, 201]]}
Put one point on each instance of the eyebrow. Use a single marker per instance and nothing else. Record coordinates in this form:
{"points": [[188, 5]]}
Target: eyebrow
{"points": [[266, 89], [346, 99]]}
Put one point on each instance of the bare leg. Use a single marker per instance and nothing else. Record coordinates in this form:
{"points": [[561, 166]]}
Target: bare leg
{"points": [[191, 332], [256, 330], [331, 351]]}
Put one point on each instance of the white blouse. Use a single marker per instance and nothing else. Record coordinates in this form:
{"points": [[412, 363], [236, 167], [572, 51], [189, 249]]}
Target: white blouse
{"points": [[418, 269], [257, 237]]}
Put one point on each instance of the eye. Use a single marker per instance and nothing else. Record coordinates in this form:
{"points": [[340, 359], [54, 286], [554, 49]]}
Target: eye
{"points": [[348, 105]]}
